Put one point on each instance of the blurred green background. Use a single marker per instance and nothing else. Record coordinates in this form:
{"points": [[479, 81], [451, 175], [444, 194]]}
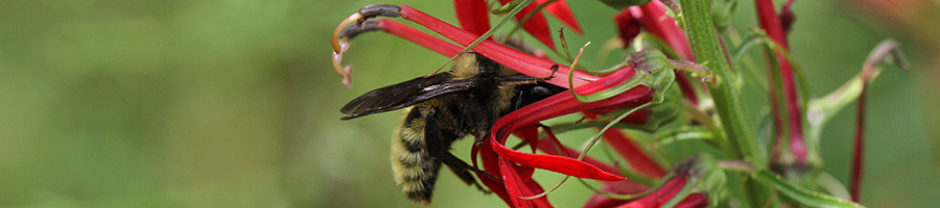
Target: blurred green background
{"points": [[234, 104]]}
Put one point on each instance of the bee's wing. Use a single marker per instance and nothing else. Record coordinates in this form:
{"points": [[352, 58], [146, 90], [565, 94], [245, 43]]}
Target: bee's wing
{"points": [[404, 94]]}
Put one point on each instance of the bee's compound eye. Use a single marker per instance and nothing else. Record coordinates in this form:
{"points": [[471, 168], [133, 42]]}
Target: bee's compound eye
{"points": [[540, 91]]}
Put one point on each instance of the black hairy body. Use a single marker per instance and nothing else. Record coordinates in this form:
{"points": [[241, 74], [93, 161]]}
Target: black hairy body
{"points": [[442, 108]]}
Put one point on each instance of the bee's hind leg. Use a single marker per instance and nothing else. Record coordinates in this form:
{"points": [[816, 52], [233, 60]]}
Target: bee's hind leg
{"points": [[462, 170]]}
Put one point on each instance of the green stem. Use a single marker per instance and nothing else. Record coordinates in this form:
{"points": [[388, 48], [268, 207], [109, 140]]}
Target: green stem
{"points": [[705, 46], [707, 50]]}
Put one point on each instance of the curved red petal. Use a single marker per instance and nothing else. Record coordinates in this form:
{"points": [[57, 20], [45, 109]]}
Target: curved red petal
{"points": [[531, 136], [635, 156], [517, 188], [491, 166], [553, 146], [694, 201], [513, 188], [655, 20], [627, 27], [473, 15], [660, 196], [554, 163], [601, 201], [537, 26], [430, 42], [560, 10], [520, 61]]}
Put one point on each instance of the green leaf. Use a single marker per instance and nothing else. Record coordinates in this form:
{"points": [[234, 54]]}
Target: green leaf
{"points": [[807, 197]]}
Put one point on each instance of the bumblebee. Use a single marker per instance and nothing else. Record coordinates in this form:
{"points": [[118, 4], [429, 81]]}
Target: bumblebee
{"points": [[442, 108]]}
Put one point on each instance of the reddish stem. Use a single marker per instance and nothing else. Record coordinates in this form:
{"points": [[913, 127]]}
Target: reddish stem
{"points": [[859, 145]]}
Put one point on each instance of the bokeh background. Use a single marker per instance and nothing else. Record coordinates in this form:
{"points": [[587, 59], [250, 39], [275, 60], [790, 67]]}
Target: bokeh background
{"points": [[234, 104]]}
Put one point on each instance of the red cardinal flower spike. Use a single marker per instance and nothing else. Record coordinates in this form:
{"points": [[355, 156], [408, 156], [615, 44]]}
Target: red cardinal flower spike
{"points": [[644, 126]]}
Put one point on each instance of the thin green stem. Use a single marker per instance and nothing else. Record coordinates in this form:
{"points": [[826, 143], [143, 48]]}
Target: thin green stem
{"points": [[705, 46], [737, 126]]}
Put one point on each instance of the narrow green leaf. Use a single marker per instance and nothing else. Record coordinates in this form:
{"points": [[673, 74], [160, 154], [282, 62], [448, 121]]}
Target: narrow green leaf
{"points": [[807, 197]]}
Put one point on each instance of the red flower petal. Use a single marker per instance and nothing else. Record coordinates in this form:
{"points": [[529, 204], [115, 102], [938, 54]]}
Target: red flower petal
{"points": [[559, 164], [787, 17], [531, 135], [560, 10], [654, 19], [491, 166], [770, 22], [557, 105], [601, 201], [537, 26], [660, 196], [638, 117], [522, 62], [473, 15], [627, 27], [635, 156], [517, 189], [437, 45], [693, 201], [553, 146]]}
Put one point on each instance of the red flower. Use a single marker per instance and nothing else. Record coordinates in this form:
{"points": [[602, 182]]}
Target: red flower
{"points": [[636, 83], [515, 168], [687, 186]]}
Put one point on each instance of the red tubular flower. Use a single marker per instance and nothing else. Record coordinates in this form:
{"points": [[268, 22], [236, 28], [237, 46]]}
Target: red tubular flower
{"points": [[636, 157], [558, 105], [628, 27], [560, 10], [473, 16], [520, 61], [770, 22], [653, 18], [554, 106], [515, 168], [668, 191], [694, 182], [537, 26], [688, 175], [514, 59]]}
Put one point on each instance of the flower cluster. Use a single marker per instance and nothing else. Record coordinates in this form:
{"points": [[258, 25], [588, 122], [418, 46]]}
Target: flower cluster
{"points": [[634, 90]]}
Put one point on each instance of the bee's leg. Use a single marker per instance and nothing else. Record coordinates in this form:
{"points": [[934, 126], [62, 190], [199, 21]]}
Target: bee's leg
{"points": [[438, 144], [462, 170], [520, 79]]}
